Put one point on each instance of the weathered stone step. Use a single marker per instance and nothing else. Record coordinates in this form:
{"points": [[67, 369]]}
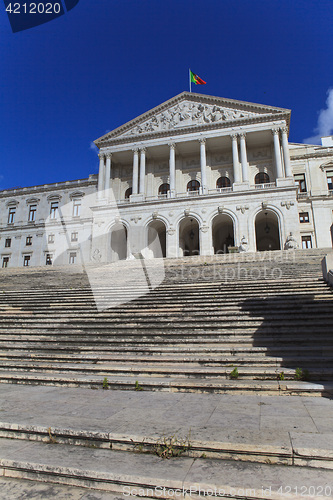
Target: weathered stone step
{"points": [[173, 384], [188, 372], [149, 476]]}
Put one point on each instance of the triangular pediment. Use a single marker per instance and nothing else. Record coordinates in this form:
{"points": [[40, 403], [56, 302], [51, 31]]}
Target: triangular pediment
{"points": [[187, 112]]}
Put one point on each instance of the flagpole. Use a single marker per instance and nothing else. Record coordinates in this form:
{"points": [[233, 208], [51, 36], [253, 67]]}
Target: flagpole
{"points": [[189, 73]]}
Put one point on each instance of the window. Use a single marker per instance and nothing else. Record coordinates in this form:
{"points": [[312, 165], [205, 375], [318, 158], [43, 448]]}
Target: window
{"points": [[8, 242], [49, 258], [300, 182], [193, 186], [304, 217], [261, 178], [330, 180], [306, 242], [223, 182], [74, 236], [50, 238], [26, 260], [5, 261], [28, 241], [76, 208], [128, 193], [164, 188], [11, 215], [72, 257], [32, 213], [54, 210]]}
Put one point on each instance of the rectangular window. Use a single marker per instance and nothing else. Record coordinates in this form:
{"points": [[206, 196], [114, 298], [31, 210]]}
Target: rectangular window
{"points": [[306, 242], [11, 215], [26, 260], [28, 241], [76, 208], [304, 217], [32, 213], [8, 242], [74, 236], [54, 210], [50, 238], [5, 261], [72, 257], [330, 180], [49, 258], [300, 182]]}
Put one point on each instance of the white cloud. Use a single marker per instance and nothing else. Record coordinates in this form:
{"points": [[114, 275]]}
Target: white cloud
{"points": [[93, 147], [325, 121]]}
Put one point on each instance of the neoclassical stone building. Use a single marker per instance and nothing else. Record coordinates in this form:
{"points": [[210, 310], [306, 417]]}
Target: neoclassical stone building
{"points": [[198, 174]]}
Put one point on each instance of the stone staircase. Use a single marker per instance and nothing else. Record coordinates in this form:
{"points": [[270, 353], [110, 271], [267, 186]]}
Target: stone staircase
{"points": [[184, 337], [269, 316]]}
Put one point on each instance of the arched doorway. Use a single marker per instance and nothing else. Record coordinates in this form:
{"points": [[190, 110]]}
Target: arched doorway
{"points": [[261, 178], [118, 242], [193, 186], [267, 231], [189, 237], [223, 233], [157, 239], [223, 182], [164, 189], [128, 193]]}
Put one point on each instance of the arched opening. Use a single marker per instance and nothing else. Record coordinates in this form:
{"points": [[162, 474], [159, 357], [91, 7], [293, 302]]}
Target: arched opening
{"points": [[163, 189], [223, 182], [189, 237], [223, 233], [118, 242], [157, 239], [267, 231], [261, 178], [128, 193], [193, 185]]}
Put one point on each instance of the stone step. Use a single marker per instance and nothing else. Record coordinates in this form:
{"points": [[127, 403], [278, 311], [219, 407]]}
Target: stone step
{"points": [[168, 370], [173, 384], [147, 475]]}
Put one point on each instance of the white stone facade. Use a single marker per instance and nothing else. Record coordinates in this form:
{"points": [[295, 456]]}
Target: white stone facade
{"points": [[206, 175]]}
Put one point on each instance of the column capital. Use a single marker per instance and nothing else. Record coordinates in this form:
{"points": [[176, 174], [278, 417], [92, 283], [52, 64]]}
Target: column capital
{"points": [[234, 136], [172, 145], [202, 140], [275, 131], [242, 135], [135, 149], [101, 156], [284, 130], [143, 149], [108, 155]]}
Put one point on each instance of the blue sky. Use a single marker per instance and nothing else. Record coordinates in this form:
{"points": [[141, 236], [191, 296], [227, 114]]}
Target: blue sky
{"points": [[67, 82]]}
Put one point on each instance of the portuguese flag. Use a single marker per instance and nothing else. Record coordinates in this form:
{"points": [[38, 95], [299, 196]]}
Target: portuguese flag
{"points": [[196, 79]]}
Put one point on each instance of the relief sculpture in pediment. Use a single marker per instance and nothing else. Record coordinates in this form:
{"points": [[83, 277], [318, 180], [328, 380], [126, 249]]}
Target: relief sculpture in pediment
{"points": [[188, 114]]}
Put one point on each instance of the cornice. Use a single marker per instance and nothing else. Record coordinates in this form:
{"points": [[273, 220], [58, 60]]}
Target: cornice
{"points": [[45, 188], [314, 154], [193, 129]]}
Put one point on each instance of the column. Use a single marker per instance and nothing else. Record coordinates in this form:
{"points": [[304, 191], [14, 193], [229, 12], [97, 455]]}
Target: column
{"points": [[107, 173], [172, 167], [135, 171], [277, 153], [142, 170], [285, 149], [245, 169], [100, 175], [235, 159], [203, 165]]}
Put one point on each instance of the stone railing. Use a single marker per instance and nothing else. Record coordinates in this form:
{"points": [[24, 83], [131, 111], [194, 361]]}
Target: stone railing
{"points": [[327, 268]]}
